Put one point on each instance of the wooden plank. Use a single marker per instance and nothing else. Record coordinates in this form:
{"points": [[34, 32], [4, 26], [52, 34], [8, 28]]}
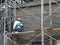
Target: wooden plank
{"points": [[35, 32], [26, 33]]}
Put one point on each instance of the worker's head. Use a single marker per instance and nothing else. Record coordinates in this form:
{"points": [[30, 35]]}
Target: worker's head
{"points": [[18, 19]]}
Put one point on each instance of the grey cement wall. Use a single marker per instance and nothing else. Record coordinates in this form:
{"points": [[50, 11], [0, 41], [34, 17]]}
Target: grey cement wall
{"points": [[32, 18]]}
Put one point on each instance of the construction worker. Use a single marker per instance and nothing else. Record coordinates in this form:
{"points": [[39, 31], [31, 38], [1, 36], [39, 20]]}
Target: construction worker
{"points": [[18, 25]]}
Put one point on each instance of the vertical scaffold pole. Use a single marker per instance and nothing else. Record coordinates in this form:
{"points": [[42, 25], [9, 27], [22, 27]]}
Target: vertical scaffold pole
{"points": [[4, 30], [14, 10], [50, 13], [42, 30], [5, 14], [51, 41], [10, 17]]}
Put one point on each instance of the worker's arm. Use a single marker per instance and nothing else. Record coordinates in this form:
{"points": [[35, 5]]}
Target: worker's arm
{"points": [[15, 23]]}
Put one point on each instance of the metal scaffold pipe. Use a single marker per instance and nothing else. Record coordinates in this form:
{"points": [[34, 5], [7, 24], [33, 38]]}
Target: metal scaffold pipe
{"points": [[4, 30], [50, 10], [51, 41], [5, 14], [42, 30], [14, 10]]}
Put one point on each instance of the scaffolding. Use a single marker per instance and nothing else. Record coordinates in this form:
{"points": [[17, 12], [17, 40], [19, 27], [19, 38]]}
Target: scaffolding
{"points": [[9, 14], [43, 32]]}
